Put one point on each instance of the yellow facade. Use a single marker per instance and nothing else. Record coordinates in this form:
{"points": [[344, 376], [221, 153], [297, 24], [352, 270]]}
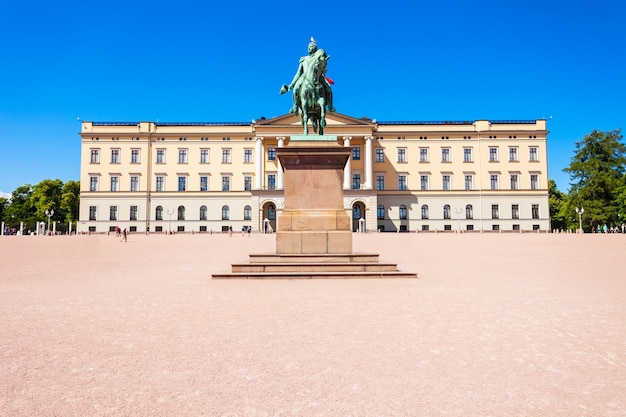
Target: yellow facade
{"points": [[402, 176]]}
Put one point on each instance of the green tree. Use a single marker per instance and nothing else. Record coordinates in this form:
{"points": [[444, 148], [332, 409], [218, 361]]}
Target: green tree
{"points": [[597, 177], [3, 203], [20, 208], [558, 201], [70, 199], [28, 204]]}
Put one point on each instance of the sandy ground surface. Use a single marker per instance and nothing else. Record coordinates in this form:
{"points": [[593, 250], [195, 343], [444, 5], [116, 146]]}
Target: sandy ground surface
{"points": [[496, 325]]}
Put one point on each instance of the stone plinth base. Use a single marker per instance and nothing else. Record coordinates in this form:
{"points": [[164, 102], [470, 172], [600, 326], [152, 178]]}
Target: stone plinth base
{"points": [[313, 231], [310, 266]]}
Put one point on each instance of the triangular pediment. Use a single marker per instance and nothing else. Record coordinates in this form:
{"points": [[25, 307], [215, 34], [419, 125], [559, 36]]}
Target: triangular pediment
{"points": [[332, 120]]}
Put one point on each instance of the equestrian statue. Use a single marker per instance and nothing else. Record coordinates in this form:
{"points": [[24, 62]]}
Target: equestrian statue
{"points": [[312, 95]]}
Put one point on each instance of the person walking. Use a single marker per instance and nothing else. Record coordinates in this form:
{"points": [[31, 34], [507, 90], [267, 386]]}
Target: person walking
{"points": [[124, 236]]}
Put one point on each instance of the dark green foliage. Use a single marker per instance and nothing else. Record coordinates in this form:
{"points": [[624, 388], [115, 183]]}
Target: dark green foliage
{"points": [[28, 204], [597, 178]]}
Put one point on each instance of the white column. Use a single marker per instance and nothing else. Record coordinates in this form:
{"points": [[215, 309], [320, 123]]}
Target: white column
{"points": [[347, 172], [258, 181], [281, 175], [368, 163]]}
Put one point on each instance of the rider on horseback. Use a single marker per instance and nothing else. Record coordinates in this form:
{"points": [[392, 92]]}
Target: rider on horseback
{"points": [[298, 79]]}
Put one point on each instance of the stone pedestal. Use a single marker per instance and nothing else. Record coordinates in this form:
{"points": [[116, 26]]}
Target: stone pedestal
{"points": [[314, 237], [313, 219]]}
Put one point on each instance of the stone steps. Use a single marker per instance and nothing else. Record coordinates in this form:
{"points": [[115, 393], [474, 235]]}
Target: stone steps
{"points": [[314, 275], [314, 266]]}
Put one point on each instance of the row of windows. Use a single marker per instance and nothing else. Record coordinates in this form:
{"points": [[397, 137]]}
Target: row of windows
{"points": [[356, 155], [180, 213], [446, 182], [182, 156], [447, 212], [533, 154]]}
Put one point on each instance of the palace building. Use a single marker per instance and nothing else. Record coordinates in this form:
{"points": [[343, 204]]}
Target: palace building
{"points": [[483, 175]]}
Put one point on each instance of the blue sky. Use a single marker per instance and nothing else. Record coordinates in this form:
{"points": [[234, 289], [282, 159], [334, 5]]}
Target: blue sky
{"points": [[193, 61]]}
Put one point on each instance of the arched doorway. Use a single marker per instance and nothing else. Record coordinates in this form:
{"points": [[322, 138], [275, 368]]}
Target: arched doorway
{"points": [[358, 212], [269, 213]]}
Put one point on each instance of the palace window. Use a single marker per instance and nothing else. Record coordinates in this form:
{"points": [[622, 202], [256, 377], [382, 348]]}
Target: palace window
{"points": [[133, 213], [271, 154], [204, 156], [401, 154], [403, 212], [423, 154], [182, 183], [247, 156], [445, 179], [247, 182], [514, 182], [380, 212], [380, 155], [447, 213], [533, 154], [226, 156], [115, 156], [469, 212], [402, 182], [182, 156], [493, 181], [160, 183], [535, 211], [92, 212], [469, 182], [160, 159], [115, 183], [225, 183], [493, 154], [467, 155], [134, 183], [225, 213], [356, 181], [134, 156], [515, 211], [93, 183], [95, 156], [356, 153], [271, 181], [534, 181], [495, 211], [424, 212], [445, 155], [513, 157], [203, 212], [158, 213], [112, 212], [423, 182], [181, 212], [247, 213], [380, 182], [204, 183]]}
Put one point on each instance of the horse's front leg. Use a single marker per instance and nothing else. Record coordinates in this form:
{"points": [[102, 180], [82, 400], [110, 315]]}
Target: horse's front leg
{"points": [[322, 104]]}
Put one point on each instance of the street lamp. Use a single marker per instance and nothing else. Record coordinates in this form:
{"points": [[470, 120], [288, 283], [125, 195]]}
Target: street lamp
{"points": [[49, 213], [580, 212], [458, 212], [169, 213]]}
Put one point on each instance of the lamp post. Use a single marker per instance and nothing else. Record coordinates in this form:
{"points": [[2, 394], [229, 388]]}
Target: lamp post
{"points": [[458, 212], [169, 213], [49, 213], [580, 212]]}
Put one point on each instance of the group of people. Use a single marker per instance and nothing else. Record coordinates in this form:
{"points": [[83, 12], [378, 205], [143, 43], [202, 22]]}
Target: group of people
{"points": [[244, 229], [614, 229], [121, 233]]}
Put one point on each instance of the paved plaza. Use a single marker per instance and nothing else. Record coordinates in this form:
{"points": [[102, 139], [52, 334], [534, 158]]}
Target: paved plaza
{"points": [[496, 325]]}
